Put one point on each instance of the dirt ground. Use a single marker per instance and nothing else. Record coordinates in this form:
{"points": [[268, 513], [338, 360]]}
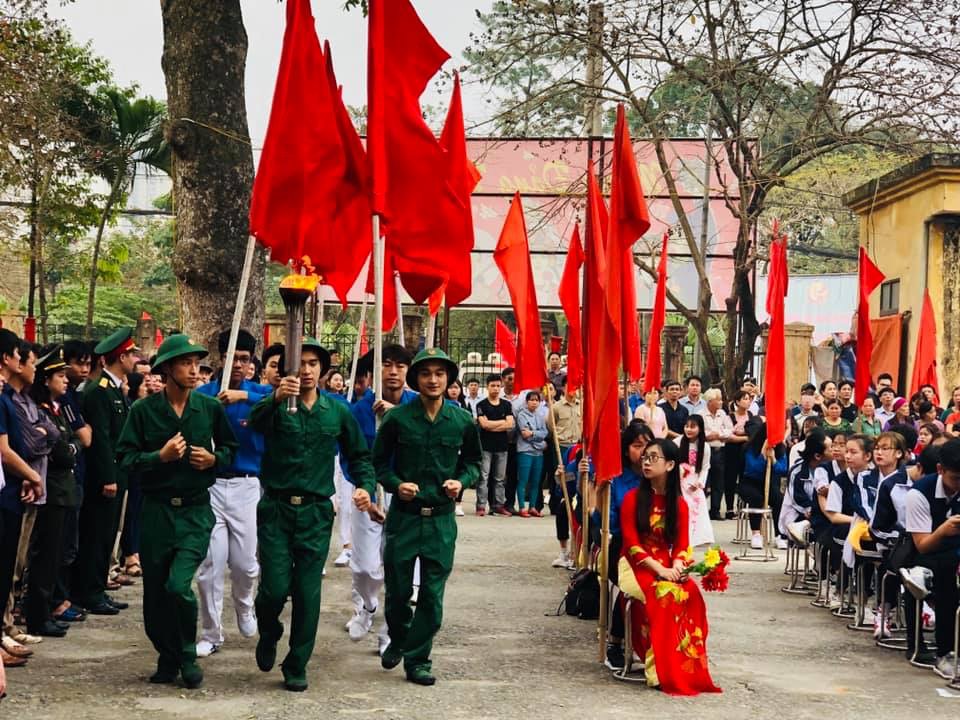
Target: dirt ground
{"points": [[501, 654]]}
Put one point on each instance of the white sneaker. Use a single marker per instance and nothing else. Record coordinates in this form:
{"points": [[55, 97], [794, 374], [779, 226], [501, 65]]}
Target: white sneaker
{"points": [[756, 542], [918, 581], [458, 511], [205, 648], [360, 624], [881, 632], [946, 666], [781, 543], [247, 623], [562, 561], [798, 531], [343, 559], [416, 595], [870, 617]]}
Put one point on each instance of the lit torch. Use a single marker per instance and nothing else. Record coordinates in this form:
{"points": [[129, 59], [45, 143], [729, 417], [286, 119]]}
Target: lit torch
{"points": [[295, 290]]}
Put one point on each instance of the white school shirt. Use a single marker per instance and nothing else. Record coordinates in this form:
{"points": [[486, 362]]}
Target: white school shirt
{"points": [[919, 519], [835, 494]]}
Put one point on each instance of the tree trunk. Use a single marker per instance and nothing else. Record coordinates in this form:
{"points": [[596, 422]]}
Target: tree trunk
{"points": [[92, 288], [204, 54]]}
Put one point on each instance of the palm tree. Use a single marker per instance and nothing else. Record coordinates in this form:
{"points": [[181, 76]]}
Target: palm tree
{"points": [[131, 135]]}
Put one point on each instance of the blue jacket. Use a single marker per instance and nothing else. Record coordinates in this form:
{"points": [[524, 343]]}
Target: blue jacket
{"points": [[619, 487], [527, 420], [755, 466], [246, 461], [10, 426]]}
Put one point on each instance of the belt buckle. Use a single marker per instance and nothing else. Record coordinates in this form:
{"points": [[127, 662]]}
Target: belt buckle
{"points": [[426, 511], [176, 502], [296, 500]]}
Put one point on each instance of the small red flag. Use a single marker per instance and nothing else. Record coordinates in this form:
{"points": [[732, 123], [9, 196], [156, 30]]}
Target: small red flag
{"points": [[569, 293], [925, 358], [775, 364], [158, 338], [512, 256], [654, 370], [505, 343], [364, 344], [629, 220], [870, 279], [390, 309]]}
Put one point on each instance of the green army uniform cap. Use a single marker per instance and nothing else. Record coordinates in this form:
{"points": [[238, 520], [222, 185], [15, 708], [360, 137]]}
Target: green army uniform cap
{"points": [[431, 355], [176, 346], [117, 339], [311, 343]]}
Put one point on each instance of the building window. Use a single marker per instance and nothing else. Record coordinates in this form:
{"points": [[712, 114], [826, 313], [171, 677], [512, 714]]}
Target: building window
{"points": [[890, 298]]}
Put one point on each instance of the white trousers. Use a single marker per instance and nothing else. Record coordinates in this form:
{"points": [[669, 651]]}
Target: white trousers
{"points": [[344, 504], [233, 543]]}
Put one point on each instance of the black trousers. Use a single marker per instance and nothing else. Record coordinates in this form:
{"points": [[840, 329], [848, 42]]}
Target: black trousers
{"points": [[46, 551], [9, 539], [130, 537], [715, 478], [98, 530], [751, 492], [510, 481], [732, 467], [68, 555], [945, 598]]}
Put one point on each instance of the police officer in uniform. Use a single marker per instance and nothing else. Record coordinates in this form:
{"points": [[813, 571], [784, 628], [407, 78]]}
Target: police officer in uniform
{"points": [[177, 440], [295, 516], [105, 409], [426, 451]]}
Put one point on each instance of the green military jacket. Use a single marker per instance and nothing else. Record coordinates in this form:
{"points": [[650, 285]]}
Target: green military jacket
{"points": [[411, 448], [105, 409], [153, 422], [300, 448]]}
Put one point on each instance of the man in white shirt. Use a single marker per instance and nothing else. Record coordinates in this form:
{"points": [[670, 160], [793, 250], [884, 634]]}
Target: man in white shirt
{"points": [[693, 401], [886, 412], [473, 395]]}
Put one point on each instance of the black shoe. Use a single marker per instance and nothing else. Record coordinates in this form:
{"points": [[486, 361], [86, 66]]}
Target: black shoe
{"points": [[615, 657], [925, 656], [391, 657], [294, 686], [118, 604], [166, 673], [421, 676], [731, 514], [103, 608], [192, 675], [266, 654], [716, 517], [61, 624], [47, 629]]}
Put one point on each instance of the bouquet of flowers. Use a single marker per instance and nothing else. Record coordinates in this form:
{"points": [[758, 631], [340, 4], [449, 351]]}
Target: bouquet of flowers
{"points": [[712, 570]]}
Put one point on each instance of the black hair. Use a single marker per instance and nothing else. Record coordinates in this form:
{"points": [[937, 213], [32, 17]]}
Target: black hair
{"points": [[864, 441], [757, 438], [245, 342], [396, 354], [834, 433], [933, 429], [533, 394], [275, 349], [552, 353], [871, 396], [843, 383], [75, 350], [686, 383], [808, 389], [812, 419], [950, 455], [629, 435], [670, 453], [494, 377], [9, 342], [830, 402], [924, 407], [507, 371], [474, 379], [929, 458], [257, 366], [884, 376], [816, 444], [134, 381], [887, 389], [740, 394], [697, 420], [823, 385], [459, 401], [671, 383]]}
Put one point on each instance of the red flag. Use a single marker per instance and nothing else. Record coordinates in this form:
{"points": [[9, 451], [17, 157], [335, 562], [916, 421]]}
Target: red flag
{"points": [[505, 343], [144, 315], [870, 279], [629, 220], [925, 358], [569, 293], [158, 338], [775, 364], [411, 188], [364, 344], [602, 346], [305, 181], [654, 370], [512, 256]]}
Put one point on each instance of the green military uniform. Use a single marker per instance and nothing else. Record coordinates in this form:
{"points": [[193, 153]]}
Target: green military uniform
{"points": [[176, 519], [412, 448], [295, 515], [105, 409]]}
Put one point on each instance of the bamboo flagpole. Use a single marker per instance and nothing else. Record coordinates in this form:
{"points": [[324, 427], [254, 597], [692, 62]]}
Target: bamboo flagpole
{"points": [[378, 257], [604, 493], [356, 349], [237, 314], [396, 283], [561, 475], [431, 331]]}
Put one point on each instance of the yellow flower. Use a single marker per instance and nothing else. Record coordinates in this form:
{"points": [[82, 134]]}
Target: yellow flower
{"points": [[712, 558]]}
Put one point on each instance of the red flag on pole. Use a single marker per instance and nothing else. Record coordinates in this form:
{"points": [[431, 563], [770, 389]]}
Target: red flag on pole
{"points": [[870, 279], [654, 370], [925, 358], [158, 338], [629, 220], [602, 411], [364, 343], [505, 343], [412, 191], [775, 364], [569, 293], [512, 256], [305, 180]]}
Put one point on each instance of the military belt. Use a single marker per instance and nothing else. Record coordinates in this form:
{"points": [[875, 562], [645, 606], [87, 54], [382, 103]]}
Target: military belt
{"points": [[412, 508], [294, 497]]}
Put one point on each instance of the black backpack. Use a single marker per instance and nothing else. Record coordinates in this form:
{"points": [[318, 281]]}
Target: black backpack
{"points": [[582, 598]]}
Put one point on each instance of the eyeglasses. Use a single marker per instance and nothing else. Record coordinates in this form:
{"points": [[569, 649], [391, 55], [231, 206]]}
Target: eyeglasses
{"points": [[884, 447], [652, 458]]}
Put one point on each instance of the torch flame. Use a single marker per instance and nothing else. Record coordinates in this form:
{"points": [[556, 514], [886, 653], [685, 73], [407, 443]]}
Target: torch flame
{"points": [[295, 281]]}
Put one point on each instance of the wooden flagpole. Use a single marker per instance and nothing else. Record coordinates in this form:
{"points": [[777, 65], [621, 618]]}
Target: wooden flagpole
{"points": [[604, 493], [431, 330], [356, 348], [378, 257], [396, 282], [237, 314], [561, 476]]}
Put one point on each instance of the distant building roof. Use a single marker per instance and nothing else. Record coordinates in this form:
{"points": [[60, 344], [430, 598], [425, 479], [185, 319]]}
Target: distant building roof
{"points": [[933, 164]]}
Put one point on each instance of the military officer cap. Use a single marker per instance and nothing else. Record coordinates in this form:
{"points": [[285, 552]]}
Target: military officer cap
{"points": [[119, 342], [311, 343], [431, 355], [52, 361], [173, 347], [245, 342]]}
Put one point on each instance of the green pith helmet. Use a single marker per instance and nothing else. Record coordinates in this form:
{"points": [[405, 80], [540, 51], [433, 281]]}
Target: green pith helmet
{"points": [[311, 343], [431, 355], [176, 346]]}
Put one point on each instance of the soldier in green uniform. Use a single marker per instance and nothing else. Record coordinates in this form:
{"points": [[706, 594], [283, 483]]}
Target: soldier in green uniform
{"points": [[426, 451], [105, 409], [295, 516], [176, 439]]}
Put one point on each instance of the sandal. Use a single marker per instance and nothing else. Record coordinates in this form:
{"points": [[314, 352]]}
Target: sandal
{"points": [[133, 570], [124, 580], [113, 585]]}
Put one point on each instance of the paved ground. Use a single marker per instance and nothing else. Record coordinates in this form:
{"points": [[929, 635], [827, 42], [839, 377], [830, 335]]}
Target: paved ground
{"points": [[501, 654]]}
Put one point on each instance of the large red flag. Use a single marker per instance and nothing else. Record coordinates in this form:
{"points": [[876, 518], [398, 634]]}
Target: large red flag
{"points": [[569, 293], [654, 370], [305, 181], [505, 343], [602, 346], [412, 191], [364, 343], [512, 256], [775, 364], [925, 359], [870, 279], [629, 220]]}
